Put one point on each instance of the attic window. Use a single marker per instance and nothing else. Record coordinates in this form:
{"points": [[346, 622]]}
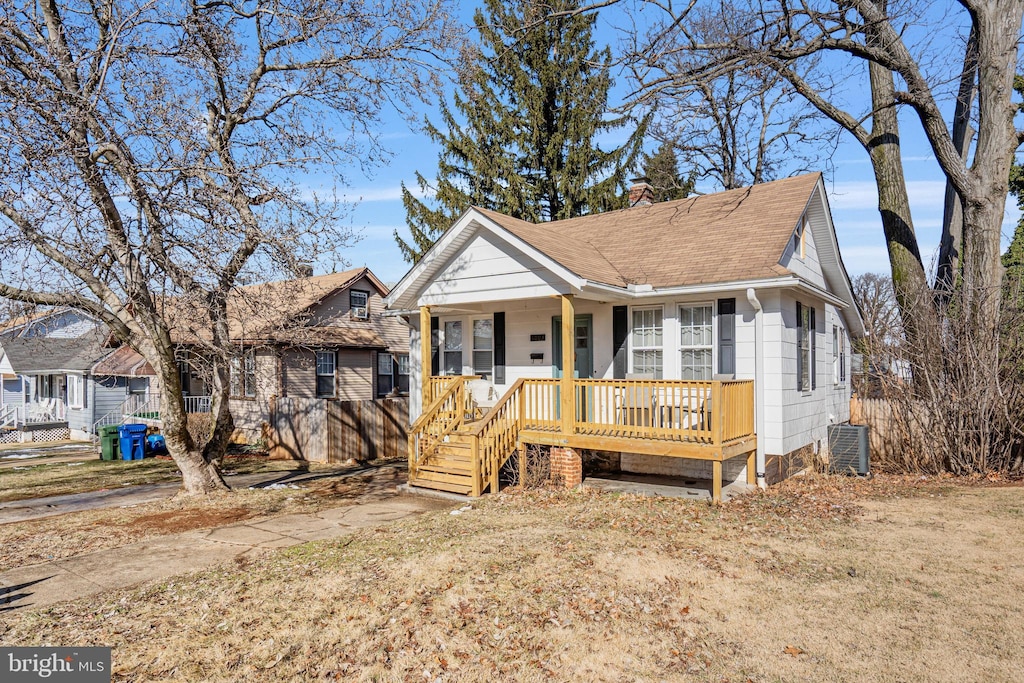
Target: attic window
{"points": [[359, 303], [799, 242]]}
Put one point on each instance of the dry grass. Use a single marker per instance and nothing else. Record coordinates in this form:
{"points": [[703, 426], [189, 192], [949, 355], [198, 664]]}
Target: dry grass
{"points": [[50, 538], [818, 580], [61, 478]]}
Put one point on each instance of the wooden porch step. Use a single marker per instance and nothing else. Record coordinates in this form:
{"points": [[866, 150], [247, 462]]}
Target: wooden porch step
{"points": [[452, 461], [445, 476], [441, 486], [460, 469], [451, 448]]}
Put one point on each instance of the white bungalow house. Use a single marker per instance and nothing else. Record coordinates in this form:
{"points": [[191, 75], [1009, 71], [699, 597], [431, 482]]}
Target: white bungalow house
{"points": [[709, 338]]}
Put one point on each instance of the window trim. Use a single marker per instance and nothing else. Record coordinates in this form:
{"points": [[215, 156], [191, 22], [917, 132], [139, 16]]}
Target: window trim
{"points": [[800, 239], [475, 350], [246, 375], [352, 307], [631, 331], [805, 343], [79, 382], [317, 374], [713, 305], [443, 346]]}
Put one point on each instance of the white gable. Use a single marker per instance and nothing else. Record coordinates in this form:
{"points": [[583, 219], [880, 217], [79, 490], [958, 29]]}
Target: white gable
{"points": [[804, 263], [487, 268]]}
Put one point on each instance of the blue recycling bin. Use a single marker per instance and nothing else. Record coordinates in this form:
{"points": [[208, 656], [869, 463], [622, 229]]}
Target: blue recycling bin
{"points": [[155, 444], [133, 441]]}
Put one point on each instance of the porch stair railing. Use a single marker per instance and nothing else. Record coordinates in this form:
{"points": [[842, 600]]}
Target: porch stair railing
{"points": [[437, 457], [9, 416], [452, 449]]}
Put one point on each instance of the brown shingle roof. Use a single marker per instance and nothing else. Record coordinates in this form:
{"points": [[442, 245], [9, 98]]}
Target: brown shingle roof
{"points": [[124, 362], [723, 237], [278, 312]]}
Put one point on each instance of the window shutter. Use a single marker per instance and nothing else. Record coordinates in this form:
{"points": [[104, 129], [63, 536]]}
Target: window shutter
{"points": [[814, 345], [499, 348], [435, 352], [799, 346], [620, 333], [727, 336]]}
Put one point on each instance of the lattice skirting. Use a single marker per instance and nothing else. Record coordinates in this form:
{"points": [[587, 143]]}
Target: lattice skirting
{"points": [[55, 434], [10, 436]]}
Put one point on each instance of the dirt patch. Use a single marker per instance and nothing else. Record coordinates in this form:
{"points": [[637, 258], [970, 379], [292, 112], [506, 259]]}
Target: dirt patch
{"points": [[51, 538], [176, 521], [594, 586]]}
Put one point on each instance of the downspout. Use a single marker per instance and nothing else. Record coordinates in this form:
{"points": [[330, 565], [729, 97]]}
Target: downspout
{"points": [[758, 384]]}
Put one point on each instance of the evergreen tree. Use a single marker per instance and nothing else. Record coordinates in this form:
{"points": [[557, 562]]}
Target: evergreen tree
{"points": [[520, 134], [662, 171]]}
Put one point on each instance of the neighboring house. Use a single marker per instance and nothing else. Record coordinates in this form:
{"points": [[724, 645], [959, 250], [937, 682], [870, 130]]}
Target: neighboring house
{"points": [[316, 337], [710, 338], [61, 376]]}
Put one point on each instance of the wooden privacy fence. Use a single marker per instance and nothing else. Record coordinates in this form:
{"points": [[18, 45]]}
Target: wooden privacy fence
{"points": [[322, 430], [884, 426]]}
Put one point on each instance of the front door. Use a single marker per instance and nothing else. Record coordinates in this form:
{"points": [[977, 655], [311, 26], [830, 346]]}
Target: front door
{"points": [[583, 331]]}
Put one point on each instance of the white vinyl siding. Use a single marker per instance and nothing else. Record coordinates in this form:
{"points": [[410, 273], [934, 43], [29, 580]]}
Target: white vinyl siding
{"points": [[696, 342], [647, 341]]}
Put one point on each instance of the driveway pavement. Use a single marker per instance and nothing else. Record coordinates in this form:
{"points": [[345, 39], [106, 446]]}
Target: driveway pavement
{"points": [[115, 568]]}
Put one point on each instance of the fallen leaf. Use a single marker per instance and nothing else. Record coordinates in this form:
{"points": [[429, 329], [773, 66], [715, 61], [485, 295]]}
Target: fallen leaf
{"points": [[793, 650]]}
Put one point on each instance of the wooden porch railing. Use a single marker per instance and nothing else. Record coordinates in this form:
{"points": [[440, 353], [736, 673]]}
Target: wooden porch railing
{"points": [[496, 438], [441, 418], [708, 413]]}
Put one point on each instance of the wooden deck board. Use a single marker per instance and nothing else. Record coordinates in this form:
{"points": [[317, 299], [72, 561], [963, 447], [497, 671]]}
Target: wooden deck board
{"points": [[644, 446]]}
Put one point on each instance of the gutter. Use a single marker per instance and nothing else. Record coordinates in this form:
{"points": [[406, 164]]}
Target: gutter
{"points": [[758, 385]]}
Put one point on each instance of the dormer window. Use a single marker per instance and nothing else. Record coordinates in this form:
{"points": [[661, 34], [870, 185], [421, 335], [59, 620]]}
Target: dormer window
{"points": [[359, 303]]}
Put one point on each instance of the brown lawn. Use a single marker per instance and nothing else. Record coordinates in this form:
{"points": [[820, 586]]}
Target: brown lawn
{"points": [[817, 580]]}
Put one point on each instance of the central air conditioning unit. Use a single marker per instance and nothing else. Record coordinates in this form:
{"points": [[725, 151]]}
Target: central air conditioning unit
{"points": [[849, 449], [360, 313]]}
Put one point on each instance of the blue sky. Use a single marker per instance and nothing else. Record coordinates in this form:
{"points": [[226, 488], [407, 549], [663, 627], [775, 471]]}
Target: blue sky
{"points": [[849, 181]]}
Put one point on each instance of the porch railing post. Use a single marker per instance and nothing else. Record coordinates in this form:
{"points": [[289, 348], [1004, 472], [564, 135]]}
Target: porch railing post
{"points": [[717, 412], [568, 397], [425, 360]]}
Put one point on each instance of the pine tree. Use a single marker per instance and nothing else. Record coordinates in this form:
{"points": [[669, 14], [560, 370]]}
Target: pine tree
{"points": [[520, 134], [662, 171]]}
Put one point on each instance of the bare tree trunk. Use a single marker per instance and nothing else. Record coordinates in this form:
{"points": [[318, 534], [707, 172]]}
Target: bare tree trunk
{"points": [[910, 284], [951, 243], [199, 475]]}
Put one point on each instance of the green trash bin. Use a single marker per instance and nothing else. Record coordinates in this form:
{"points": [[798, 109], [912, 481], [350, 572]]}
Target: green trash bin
{"points": [[109, 449]]}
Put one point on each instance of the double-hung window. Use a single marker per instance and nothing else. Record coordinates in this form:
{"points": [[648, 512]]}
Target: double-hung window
{"points": [[326, 365], [385, 374], [838, 355], [453, 347], [359, 303], [392, 373], [805, 347], [243, 375], [483, 347], [696, 342], [648, 341]]}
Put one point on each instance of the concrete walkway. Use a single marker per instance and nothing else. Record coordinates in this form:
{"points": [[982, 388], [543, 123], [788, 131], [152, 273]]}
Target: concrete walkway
{"points": [[163, 556]]}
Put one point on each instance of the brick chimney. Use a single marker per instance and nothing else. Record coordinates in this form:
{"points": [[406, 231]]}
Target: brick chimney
{"points": [[641, 193]]}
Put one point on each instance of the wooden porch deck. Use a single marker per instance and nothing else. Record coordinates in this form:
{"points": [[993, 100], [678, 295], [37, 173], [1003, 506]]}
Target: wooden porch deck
{"points": [[711, 420]]}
